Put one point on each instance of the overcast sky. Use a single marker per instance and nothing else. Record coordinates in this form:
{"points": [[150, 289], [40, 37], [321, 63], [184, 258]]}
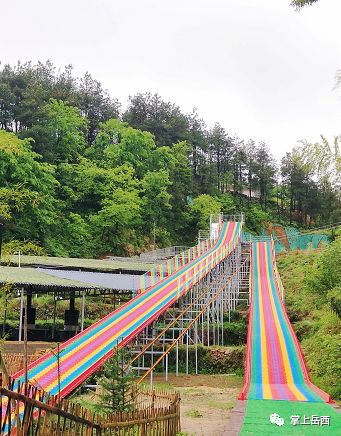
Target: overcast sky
{"points": [[256, 66]]}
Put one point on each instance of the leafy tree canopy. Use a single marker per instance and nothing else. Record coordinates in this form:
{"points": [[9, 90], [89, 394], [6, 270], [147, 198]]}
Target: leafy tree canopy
{"points": [[301, 3], [79, 178]]}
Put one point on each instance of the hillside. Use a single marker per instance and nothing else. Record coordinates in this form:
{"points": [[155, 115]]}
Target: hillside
{"points": [[313, 299], [81, 178]]}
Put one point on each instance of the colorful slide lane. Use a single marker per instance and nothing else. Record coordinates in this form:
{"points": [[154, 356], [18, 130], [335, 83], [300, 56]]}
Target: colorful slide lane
{"points": [[84, 353], [281, 399], [275, 368]]}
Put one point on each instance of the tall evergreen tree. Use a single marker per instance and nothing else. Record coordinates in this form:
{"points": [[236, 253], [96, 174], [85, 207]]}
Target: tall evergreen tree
{"points": [[116, 384]]}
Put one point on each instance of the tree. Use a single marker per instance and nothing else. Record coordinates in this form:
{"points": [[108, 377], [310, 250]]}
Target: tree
{"points": [[325, 160], [118, 144], [265, 170], [60, 134], [115, 224], [199, 211], [181, 188], [116, 384], [198, 142], [156, 199], [28, 192], [301, 3], [27, 88], [221, 148], [251, 162], [163, 119], [95, 104], [311, 177], [296, 177]]}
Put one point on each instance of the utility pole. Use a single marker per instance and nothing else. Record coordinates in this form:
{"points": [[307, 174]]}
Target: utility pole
{"points": [[19, 259], [57, 356]]}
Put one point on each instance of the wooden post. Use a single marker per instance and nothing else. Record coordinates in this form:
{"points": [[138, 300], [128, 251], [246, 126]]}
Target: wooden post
{"points": [[54, 315], [83, 310], [58, 369], [21, 313], [25, 348]]}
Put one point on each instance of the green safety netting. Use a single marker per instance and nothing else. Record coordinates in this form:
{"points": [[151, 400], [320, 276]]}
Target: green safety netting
{"points": [[279, 246], [298, 241], [246, 236]]}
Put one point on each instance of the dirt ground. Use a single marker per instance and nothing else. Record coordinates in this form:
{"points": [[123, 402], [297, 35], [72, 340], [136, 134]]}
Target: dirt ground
{"points": [[206, 401]]}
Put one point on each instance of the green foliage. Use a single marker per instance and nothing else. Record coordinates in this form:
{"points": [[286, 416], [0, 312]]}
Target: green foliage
{"points": [[257, 219], [194, 413], [59, 136], [163, 119], [301, 3], [313, 282], [81, 179], [115, 385], [25, 248], [27, 196], [235, 333], [334, 298], [329, 267], [211, 360], [227, 204], [200, 209], [120, 144], [223, 360], [74, 239], [114, 223], [156, 198], [324, 361], [6, 290]]}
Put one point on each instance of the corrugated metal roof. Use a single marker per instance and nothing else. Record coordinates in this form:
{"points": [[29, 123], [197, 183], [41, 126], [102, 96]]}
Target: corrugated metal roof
{"points": [[100, 280]]}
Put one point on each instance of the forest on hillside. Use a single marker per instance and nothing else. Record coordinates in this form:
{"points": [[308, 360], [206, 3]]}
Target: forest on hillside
{"points": [[80, 176]]}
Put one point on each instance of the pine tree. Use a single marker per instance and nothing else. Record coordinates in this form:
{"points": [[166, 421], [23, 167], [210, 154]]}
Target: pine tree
{"points": [[116, 384]]}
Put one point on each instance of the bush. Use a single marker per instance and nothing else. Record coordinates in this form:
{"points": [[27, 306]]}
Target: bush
{"points": [[305, 329], [334, 298], [329, 267], [235, 333], [313, 284], [25, 248], [322, 352], [222, 360], [211, 360]]}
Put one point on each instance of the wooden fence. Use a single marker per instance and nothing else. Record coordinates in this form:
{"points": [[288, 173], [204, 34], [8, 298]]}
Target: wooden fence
{"points": [[28, 411], [15, 361]]}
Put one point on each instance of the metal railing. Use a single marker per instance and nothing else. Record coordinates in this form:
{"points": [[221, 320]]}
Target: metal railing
{"points": [[163, 253]]}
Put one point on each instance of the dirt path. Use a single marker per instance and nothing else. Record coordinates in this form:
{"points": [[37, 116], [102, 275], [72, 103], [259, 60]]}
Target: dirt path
{"points": [[206, 401]]}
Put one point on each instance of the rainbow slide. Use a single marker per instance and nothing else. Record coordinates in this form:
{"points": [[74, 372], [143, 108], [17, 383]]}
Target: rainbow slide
{"points": [[275, 368], [280, 396], [80, 356]]}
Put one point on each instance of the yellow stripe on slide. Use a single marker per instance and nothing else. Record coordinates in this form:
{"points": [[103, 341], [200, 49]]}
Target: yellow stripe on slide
{"points": [[265, 366], [104, 329], [117, 335], [283, 347]]}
